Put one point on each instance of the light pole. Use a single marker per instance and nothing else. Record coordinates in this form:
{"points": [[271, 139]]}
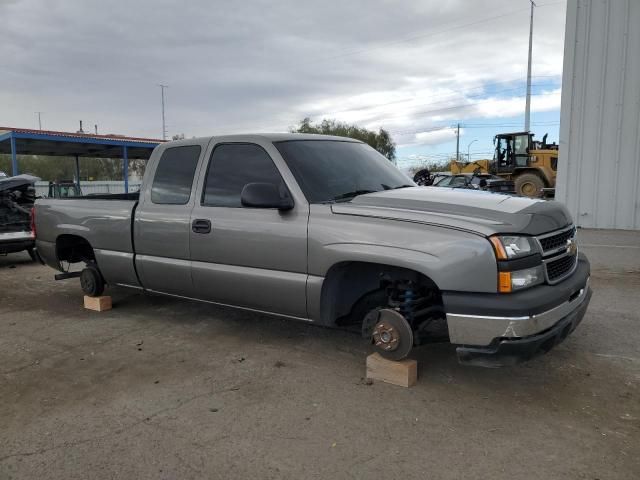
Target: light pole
{"points": [[164, 125], [468, 147], [527, 107]]}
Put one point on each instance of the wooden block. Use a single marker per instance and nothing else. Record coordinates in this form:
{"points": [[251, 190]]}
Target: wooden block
{"points": [[403, 373], [99, 304]]}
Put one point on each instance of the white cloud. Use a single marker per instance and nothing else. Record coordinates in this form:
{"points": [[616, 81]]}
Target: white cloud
{"points": [[435, 137], [260, 65], [509, 107]]}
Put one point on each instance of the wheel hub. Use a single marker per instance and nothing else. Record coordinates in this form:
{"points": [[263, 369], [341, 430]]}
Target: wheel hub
{"points": [[528, 188], [391, 335], [86, 282], [385, 336]]}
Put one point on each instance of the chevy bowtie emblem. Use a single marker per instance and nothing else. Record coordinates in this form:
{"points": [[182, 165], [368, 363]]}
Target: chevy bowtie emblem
{"points": [[572, 246]]}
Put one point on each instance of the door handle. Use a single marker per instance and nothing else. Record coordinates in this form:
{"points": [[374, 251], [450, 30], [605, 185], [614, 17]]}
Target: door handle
{"points": [[201, 225]]}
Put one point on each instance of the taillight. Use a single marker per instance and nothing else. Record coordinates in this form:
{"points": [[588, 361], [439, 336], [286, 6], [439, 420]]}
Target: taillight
{"points": [[33, 222]]}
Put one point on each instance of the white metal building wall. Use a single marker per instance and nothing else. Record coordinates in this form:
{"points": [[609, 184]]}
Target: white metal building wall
{"points": [[599, 159]]}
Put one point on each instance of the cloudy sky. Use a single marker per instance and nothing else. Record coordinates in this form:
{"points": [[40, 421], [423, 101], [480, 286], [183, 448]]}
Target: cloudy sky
{"points": [[414, 68]]}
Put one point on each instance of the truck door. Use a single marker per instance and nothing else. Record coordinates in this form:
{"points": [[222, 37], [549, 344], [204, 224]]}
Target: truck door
{"points": [[521, 150], [250, 257], [162, 227]]}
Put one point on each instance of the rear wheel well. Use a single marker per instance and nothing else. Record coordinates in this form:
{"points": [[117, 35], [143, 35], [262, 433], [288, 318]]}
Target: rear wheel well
{"points": [[350, 288], [74, 249]]}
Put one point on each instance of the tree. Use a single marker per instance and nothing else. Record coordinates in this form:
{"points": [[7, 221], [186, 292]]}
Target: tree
{"points": [[380, 140], [63, 168], [433, 166]]}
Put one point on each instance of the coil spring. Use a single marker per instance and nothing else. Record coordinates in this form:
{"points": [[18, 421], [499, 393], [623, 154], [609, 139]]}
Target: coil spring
{"points": [[408, 299]]}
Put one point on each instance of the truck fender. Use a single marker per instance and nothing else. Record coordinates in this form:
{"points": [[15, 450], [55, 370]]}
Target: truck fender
{"points": [[462, 269]]}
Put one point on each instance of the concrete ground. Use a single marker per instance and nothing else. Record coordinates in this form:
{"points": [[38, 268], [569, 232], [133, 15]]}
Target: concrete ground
{"points": [[166, 389]]}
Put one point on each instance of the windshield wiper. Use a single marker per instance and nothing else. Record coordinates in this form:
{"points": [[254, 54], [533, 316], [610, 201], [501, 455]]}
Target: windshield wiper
{"points": [[350, 195], [387, 187]]}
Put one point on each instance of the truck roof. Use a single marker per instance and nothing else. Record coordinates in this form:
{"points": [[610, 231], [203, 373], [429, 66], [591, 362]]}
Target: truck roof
{"points": [[276, 137]]}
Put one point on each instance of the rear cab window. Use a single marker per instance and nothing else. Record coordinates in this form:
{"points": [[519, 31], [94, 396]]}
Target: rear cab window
{"points": [[174, 174]]}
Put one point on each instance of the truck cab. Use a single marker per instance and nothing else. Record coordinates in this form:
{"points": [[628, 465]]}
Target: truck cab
{"points": [[64, 189]]}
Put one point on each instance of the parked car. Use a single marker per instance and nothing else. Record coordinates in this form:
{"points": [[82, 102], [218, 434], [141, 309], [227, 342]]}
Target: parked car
{"points": [[17, 196], [476, 181], [326, 230]]}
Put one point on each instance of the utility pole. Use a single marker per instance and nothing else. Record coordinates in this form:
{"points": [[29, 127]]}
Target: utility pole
{"points": [[164, 125], [39, 120], [527, 108], [458, 144]]}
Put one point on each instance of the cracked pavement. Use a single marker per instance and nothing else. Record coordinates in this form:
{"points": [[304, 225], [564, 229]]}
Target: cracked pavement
{"points": [[162, 388]]}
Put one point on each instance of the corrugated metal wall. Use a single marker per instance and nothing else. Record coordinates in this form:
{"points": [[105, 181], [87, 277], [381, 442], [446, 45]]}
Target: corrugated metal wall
{"points": [[599, 160]]}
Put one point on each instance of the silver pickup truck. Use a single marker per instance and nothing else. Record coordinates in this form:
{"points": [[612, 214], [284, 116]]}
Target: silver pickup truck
{"points": [[326, 230]]}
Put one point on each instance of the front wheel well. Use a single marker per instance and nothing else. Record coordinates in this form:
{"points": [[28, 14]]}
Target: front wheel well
{"points": [[349, 285], [74, 249]]}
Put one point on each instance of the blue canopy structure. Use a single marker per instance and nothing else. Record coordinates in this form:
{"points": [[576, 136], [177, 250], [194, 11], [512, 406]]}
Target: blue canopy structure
{"points": [[23, 141]]}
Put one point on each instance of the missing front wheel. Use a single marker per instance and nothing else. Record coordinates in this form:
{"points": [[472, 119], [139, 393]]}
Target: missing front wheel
{"points": [[392, 335]]}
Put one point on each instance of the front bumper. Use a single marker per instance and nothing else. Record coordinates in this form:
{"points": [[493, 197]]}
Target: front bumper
{"points": [[510, 351], [503, 329]]}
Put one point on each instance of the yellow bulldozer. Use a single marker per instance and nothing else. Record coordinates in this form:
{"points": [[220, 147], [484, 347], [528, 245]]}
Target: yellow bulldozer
{"points": [[532, 165]]}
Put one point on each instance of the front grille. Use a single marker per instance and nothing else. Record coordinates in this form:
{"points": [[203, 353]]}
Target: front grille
{"points": [[558, 269], [559, 254], [554, 242]]}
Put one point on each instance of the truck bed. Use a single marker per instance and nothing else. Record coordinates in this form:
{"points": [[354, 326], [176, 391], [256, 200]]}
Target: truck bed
{"points": [[103, 220]]}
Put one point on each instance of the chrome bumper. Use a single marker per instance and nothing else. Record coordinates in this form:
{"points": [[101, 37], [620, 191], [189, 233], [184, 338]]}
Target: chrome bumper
{"points": [[15, 236], [481, 330]]}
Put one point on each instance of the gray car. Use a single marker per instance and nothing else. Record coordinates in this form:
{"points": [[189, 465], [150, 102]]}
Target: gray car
{"points": [[326, 230]]}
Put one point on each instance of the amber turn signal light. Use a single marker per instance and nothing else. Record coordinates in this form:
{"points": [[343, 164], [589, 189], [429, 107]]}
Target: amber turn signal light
{"points": [[504, 282], [498, 248]]}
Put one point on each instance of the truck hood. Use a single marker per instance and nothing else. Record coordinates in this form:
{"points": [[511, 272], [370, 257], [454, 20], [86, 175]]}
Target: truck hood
{"points": [[475, 211]]}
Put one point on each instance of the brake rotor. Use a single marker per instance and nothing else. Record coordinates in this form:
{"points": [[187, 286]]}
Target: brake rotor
{"points": [[87, 280], [392, 335]]}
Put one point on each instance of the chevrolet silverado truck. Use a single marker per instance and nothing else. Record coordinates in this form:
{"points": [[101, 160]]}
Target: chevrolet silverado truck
{"points": [[326, 230]]}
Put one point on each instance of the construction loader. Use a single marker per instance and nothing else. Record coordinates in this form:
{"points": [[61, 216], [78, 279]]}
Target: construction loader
{"points": [[532, 165]]}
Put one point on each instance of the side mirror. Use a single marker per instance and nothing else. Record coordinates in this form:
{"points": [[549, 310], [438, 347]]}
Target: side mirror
{"points": [[265, 195]]}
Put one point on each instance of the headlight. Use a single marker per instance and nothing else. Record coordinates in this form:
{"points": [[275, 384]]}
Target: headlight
{"points": [[512, 247], [508, 247], [519, 279], [527, 277]]}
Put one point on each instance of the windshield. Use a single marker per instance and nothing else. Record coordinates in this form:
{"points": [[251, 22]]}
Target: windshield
{"points": [[334, 170]]}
